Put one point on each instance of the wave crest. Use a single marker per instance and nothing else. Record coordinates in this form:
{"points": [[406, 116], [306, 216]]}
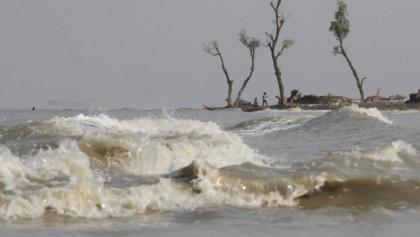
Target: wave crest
{"points": [[260, 127], [393, 153], [370, 112]]}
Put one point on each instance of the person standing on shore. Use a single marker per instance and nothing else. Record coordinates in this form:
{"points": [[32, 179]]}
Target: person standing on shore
{"points": [[264, 99]]}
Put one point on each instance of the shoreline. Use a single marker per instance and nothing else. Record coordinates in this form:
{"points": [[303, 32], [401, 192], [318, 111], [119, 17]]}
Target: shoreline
{"points": [[382, 106]]}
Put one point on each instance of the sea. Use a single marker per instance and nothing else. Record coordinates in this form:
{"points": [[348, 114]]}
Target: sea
{"points": [[193, 172]]}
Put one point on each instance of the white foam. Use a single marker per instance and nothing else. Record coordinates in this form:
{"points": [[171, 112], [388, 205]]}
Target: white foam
{"points": [[92, 200], [12, 171], [261, 127], [153, 146], [67, 159], [393, 153], [62, 180], [223, 191], [88, 200], [27, 189], [371, 112], [85, 194]]}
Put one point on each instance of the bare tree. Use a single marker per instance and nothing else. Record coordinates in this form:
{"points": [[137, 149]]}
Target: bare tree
{"points": [[340, 27], [214, 50], [272, 41], [252, 44]]}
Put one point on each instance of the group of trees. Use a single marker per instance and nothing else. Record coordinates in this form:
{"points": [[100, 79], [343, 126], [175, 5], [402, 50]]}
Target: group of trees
{"points": [[252, 44], [340, 28]]}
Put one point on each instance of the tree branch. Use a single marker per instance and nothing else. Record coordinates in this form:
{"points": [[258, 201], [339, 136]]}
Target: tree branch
{"points": [[212, 48], [363, 80]]}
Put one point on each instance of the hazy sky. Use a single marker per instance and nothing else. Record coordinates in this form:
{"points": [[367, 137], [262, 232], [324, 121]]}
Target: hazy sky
{"points": [[148, 53]]}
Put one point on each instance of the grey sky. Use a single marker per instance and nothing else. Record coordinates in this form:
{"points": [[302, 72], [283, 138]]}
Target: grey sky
{"points": [[148, 53]]}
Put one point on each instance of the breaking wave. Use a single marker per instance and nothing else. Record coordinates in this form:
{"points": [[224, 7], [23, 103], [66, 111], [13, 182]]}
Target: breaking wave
{"points": [[370, 112], [393, 153], [65, 182], [100, 167], [146, 146], [260, 127]]}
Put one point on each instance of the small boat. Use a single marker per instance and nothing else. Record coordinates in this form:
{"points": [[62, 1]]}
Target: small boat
{"points": [[214, 108]]}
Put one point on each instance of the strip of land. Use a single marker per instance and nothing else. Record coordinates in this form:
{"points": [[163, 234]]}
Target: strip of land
{"points": [[333, 102]]}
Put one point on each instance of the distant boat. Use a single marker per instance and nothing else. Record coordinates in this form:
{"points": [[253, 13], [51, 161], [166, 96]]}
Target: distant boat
{"points": [[214, 108]]}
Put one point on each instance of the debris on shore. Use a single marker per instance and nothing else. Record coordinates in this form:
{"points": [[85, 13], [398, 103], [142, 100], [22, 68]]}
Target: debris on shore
{"points": [[332, 102]]}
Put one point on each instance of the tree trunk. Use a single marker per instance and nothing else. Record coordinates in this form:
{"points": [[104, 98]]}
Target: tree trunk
{"points": [[238, 98], [277, 72], [229, 98], [229, 82], [358, 81], [272, 44]]}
